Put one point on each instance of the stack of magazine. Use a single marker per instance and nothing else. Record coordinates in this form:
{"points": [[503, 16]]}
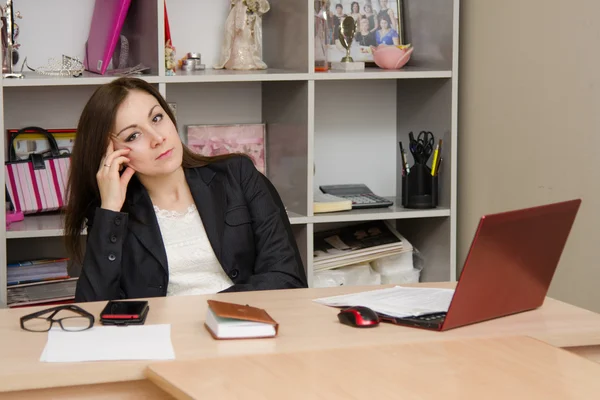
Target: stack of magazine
{"points": [[44, 281], [356, 244]]}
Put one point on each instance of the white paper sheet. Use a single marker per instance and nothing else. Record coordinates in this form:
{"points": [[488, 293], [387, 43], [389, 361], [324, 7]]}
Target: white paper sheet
{"points": [[397, 302], [102, 343]]}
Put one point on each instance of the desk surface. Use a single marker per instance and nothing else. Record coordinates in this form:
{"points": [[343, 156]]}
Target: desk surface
{"points": [[304, 326], [499, 368]]}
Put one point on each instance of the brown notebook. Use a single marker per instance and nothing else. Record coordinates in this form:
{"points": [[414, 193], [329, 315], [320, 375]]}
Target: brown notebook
{"points": [[237, 321]]}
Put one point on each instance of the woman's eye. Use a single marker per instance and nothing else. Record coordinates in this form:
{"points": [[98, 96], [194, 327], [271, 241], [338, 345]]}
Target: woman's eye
{"points": [[157, 118], [132, 137]]}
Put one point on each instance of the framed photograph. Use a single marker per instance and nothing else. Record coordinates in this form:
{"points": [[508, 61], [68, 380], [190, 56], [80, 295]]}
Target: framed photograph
{"points": [[377, 22], [214, 140]]}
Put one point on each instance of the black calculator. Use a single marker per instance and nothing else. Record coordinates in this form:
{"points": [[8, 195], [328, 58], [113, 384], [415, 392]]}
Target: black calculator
{"points": [[360, 195]]}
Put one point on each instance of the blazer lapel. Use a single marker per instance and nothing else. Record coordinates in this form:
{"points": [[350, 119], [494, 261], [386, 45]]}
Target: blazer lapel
{"points": [[143, 223], [211, 201]]}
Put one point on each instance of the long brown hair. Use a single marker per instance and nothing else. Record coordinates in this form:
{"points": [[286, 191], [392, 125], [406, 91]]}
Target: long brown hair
{"points": [[93, 133]]}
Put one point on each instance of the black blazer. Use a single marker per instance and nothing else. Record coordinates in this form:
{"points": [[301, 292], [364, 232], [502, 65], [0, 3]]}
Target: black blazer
{"points": [[245, 222]]}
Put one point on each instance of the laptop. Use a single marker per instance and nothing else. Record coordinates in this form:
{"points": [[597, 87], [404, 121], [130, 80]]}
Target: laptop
{"points": [[509, 267]]}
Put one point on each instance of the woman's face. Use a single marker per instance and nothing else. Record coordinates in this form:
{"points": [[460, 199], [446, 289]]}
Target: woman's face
{"points": [[383, 3], [364, 25], [355, 8], [384, 24], [368, 8], [142, 126]]}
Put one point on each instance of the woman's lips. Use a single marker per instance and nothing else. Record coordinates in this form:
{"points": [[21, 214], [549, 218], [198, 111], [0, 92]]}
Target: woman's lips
{"points": [[165, 154]]}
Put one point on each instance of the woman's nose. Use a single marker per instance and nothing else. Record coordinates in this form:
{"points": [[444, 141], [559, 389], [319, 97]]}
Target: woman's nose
{"points": [[157, 138]]}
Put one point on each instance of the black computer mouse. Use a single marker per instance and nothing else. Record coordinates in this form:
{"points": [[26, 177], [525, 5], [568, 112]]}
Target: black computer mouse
{"points": [[359, 317]]}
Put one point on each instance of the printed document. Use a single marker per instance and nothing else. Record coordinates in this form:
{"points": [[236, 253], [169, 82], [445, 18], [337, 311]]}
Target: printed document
{"points": [[102, 343], [398, 301]]}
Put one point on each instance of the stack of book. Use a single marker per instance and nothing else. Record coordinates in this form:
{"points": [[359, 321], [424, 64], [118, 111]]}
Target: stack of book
{"points": [[37, 282], [356, 244], [323, 203]]}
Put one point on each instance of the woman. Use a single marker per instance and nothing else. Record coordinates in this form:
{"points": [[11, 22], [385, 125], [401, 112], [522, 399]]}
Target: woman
{"points": [[162, 220], [388, 14], [355, 12], [385, 34], [371, 17], [364, 37], [338, 17]]}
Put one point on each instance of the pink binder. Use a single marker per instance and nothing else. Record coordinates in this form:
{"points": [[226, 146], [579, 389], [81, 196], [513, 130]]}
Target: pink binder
{"points": [[105, 29]]}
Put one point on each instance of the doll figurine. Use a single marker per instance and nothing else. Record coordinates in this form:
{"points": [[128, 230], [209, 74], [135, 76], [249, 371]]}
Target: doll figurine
{"points": [[242, 46]]}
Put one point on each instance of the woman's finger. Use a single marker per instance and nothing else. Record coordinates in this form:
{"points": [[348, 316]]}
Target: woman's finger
{"points": [[113, 167], [108, 161], [126, 177]]}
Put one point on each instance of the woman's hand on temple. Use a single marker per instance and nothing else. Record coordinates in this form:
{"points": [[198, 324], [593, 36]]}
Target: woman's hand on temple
{"points": [[111, 183]]}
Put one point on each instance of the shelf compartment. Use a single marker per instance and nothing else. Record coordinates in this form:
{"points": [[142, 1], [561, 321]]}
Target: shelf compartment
{"points": [[281, 106], [140, 28], [196, 27]]}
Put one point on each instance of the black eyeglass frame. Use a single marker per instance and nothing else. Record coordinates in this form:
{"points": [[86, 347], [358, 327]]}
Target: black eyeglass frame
{"points": [[54, 311]]}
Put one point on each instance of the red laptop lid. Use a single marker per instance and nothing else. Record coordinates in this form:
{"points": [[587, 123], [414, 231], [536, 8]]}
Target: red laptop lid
{"points": [[511, 262]]}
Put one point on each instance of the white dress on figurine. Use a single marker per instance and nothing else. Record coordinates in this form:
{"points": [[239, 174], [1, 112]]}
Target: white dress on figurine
{"points": [[242, 44]]}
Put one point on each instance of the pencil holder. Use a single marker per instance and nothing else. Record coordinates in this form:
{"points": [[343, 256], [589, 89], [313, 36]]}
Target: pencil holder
{"points": [[419, 188]]}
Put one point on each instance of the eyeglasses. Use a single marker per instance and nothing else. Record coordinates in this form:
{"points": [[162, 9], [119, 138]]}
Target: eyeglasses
{"points": [[70, 318]]}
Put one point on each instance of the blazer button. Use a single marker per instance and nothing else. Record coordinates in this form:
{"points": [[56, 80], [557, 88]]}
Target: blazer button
{"points": [[112, 257], [113, 239], [234, 274], [117, 221]]}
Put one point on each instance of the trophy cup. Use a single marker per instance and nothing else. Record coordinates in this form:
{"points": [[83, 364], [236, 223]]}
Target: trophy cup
{"points": [[10, 31], [346, 37]]}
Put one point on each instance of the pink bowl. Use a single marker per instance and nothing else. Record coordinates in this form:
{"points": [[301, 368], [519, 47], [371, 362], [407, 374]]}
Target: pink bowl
{"points": [[390, 57]]}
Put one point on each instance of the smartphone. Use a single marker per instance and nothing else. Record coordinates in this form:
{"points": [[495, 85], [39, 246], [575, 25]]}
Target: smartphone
{"points": [[125, 312]]}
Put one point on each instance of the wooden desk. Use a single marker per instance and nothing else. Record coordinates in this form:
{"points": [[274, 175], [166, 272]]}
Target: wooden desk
{"points": [[304, 326], [500, 368]]}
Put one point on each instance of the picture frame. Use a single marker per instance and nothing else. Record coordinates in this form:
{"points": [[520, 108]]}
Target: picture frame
{"points": [[376, 33], [214, 140]]}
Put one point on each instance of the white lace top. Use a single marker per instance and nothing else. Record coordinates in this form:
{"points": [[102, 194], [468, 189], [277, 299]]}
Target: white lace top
{"points": [[193, 266]]}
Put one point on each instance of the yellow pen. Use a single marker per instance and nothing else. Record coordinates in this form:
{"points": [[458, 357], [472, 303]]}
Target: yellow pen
{"points": [[435, 159]]}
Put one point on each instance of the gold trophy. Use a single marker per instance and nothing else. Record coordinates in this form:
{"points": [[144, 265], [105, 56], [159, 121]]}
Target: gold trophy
{"points": [[346, 37]]}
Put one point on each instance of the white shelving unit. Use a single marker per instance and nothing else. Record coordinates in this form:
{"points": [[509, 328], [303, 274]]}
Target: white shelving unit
{"points": [[343, 126]]}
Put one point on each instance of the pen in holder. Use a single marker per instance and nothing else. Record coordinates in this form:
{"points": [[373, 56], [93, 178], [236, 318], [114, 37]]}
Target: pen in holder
{"points": [[419, 182]]}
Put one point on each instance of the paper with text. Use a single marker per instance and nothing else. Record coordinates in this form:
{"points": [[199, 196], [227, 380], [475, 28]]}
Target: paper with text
{"points": [[399, 302], [102, 343]]}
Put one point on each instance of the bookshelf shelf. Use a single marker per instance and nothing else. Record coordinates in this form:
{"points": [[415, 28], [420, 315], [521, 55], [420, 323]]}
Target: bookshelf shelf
{"points": [[377, 73], [211, 75], [322, 128], [51, 225], [88, 78], [394, 212], [36, 226]]}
